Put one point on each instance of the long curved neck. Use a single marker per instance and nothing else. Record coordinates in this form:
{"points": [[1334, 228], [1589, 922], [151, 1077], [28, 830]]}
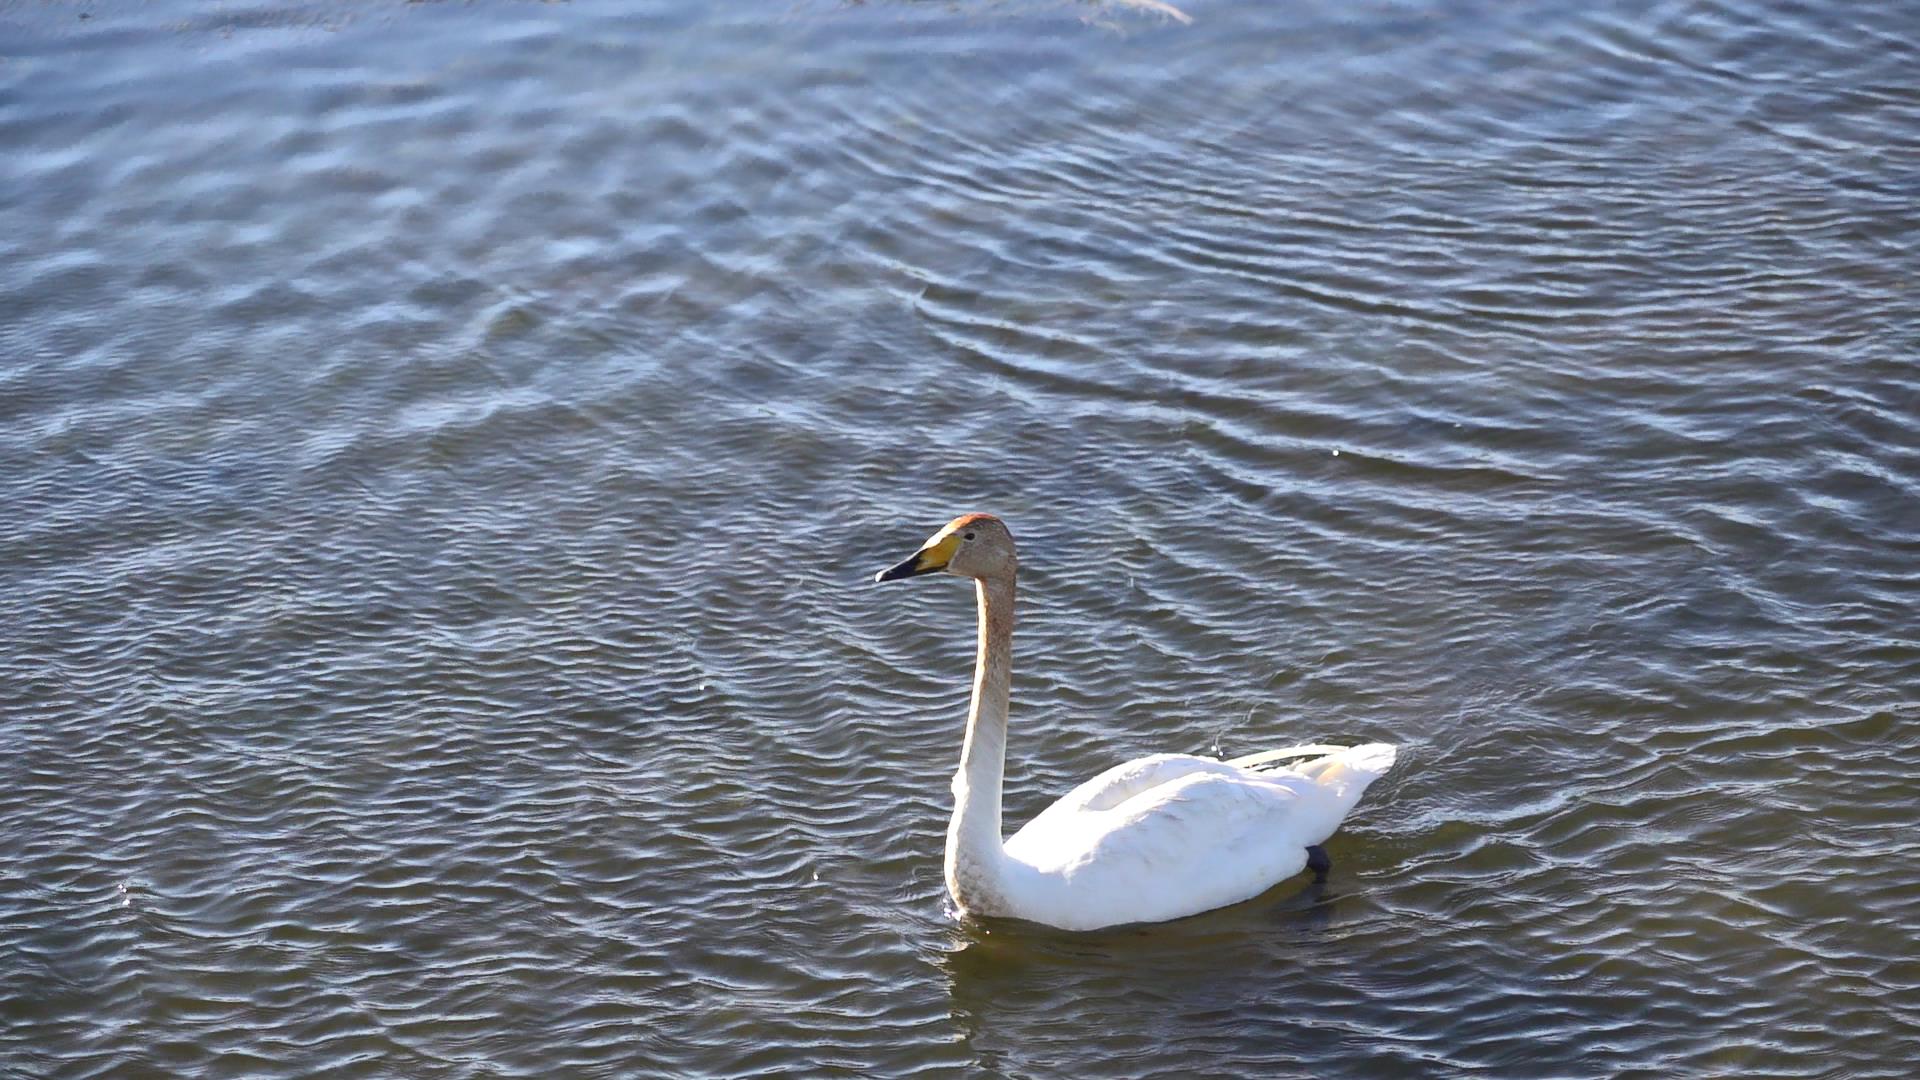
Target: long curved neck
{"points": [[976, 856]]}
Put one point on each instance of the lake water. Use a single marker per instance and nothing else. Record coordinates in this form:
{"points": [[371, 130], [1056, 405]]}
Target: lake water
{"points": [[444, 451]]}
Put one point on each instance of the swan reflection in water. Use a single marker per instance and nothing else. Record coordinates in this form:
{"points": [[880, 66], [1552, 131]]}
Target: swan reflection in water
{"points": [[1012, 986]]}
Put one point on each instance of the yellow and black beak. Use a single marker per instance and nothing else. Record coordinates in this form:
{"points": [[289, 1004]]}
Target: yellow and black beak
{"points": [[929, 559]]}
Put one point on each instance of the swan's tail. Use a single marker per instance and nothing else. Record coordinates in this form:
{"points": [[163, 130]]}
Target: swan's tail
{"points": [[1347, 769]]}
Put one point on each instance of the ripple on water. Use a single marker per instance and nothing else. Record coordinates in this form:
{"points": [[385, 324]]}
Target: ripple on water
{"points": [[444, 471]]}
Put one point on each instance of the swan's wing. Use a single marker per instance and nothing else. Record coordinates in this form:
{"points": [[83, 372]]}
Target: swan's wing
{"points": [[1207, 818], [1200, 841], [1116, 786]]}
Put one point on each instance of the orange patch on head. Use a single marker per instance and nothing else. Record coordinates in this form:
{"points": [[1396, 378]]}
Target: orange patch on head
{"points": [[968, 519]]}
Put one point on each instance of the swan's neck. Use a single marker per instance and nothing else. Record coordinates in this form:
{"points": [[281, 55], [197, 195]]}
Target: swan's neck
{"points": [[976, 857]]}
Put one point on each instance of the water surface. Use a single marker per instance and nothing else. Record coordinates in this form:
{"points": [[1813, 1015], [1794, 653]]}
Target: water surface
{"points": [[444, 450]]}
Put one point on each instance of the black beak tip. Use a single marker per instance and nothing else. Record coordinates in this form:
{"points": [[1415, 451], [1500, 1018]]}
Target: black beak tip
{"points": [[906, 568]]}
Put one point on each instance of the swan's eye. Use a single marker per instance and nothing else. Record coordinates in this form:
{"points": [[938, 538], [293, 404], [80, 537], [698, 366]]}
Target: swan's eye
{"points": [[968, 536]]}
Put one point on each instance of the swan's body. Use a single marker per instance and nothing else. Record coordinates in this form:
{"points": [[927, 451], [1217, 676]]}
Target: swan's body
{"points": [[1156, 838]]}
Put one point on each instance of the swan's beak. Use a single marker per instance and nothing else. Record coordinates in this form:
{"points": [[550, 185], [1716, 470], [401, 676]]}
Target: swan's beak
{"points": [[912, 566], [934, 557]]}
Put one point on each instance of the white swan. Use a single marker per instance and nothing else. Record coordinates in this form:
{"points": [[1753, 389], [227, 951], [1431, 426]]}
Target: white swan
{"points": [[1153, 839]]}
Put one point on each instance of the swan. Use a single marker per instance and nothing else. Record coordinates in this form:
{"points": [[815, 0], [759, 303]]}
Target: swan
{"points": [[1157, 838]]}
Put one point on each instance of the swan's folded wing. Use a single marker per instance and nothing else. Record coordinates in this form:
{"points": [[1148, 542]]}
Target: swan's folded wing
{"points": [[1198, 842], [1209, 817], [1116, 786]]}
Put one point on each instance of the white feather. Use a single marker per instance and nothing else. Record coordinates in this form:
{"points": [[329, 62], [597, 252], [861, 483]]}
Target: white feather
{"points": [[1172, 835]]}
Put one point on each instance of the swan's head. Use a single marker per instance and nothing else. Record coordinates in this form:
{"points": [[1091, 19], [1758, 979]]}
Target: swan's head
{"points": [[971, 545]]}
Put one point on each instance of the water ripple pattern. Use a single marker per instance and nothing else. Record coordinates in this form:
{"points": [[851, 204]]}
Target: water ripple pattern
{"points": [[444, 450]]}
